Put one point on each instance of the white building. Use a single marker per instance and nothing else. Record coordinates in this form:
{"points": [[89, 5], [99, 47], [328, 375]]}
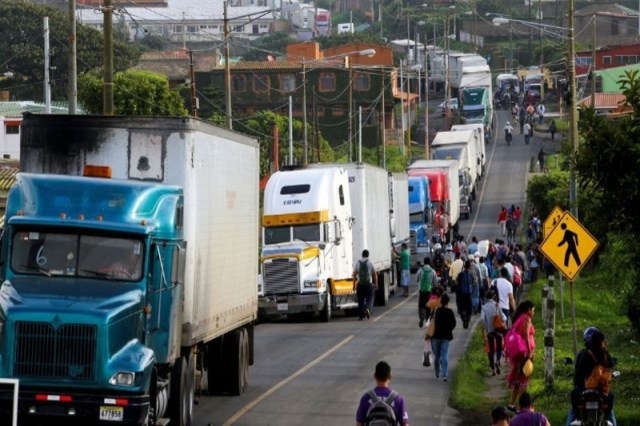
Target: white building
{"points": [[189, 21]]}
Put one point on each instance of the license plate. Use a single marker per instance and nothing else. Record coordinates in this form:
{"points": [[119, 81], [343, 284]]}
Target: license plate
{"points": [[112, 414], [283, 306], [592, 405]]}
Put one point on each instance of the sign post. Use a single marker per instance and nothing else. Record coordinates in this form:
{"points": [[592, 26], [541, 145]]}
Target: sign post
{"points": [[569, 245]]}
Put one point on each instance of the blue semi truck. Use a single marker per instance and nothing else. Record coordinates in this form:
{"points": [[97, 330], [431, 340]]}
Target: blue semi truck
{"points": [[420, 219], [129, 261]]}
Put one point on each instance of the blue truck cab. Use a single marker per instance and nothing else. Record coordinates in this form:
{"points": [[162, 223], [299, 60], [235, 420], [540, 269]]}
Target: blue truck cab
{"points": [[86, 292], [420, 219]]}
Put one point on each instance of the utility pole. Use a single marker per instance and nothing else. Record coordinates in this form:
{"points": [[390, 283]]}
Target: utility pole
{"points": [[194, 99], [47, 81], [426, 109], [382, 124], [593, 62], [510, 41], [227, 67], [447, 110], [107, 85], [573, 113], [72, 85], [540, 20], [304, 107], [350, 76]]}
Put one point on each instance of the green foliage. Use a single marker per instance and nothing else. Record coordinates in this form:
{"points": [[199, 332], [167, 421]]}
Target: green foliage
{"points": [[135, 93], [22, 49], [549, 190]]}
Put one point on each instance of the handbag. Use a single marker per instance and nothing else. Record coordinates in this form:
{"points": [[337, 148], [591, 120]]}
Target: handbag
{"points": [[527, 368], [498, 323], [431, 326]]}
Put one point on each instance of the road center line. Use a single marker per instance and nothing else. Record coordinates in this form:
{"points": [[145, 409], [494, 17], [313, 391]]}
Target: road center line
{"points": [[274, 388]]}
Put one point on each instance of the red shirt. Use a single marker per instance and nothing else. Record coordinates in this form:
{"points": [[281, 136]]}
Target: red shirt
{"points": [[502, 215]]}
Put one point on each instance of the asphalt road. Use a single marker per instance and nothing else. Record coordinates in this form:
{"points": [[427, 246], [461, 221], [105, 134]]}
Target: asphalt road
{"points": [[315, 373]]}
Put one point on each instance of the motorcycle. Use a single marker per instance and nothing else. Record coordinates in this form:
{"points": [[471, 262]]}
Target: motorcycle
{"points": [[592, 406]]}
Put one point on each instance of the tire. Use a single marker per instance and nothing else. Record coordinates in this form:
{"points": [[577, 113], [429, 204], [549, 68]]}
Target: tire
{"points": [[236, 361], [182, 391], [325, 314], [382, 294]]}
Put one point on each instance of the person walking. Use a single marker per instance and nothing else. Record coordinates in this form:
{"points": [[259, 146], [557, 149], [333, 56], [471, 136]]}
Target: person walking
{"points": [[405, 269], [552, 129], [527, 133], [476, 305], [541, 111], [366, 281], [527, 415], [508, 133], [464, 293], [428, 280], [504, 292], [521, 119], [382, 391], [494, 337], [454, 270], [511, 229], [541, 158], [523, 326], [502, 220], [484, 277], [443, 334]]}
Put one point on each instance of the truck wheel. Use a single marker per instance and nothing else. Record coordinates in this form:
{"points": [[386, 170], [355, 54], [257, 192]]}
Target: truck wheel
{"points": [[325, 315], [182, 391], [382, 295], [236, 362]]}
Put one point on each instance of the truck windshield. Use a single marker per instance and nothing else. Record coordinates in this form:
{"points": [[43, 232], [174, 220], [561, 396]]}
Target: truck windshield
{"points": [[65, 254], [446, 154], [285, 234], [473, 113]]}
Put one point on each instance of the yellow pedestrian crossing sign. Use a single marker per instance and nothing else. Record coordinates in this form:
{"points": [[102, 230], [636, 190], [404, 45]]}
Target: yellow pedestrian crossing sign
{"points": [[569, 245], [552, 220]]}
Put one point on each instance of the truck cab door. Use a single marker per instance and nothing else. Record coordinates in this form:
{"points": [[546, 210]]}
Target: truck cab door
{"points": [[165, 287]]}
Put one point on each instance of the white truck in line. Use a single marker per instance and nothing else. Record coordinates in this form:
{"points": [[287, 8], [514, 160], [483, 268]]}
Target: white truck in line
{"points": [[444, 191], [460, 146], [316, 222], [479, 139], [399, 201], [130, 260]]}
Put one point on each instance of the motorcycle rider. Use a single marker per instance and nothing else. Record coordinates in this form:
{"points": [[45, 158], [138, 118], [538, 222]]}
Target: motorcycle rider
{"points": [[508, 132], [595, 344]]}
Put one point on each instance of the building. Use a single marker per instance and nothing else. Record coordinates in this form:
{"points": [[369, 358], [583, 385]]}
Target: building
{"points": [[326, 77], [614, 24], [610, 56], [187, 21], [11, 118]]}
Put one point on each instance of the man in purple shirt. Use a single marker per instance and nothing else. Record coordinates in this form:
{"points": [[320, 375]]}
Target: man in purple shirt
{"points": [[382, 376], [527, 416]]}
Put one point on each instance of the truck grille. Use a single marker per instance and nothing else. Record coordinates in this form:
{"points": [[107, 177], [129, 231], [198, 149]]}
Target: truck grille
{"points": [[66, 352], [281, 276]]}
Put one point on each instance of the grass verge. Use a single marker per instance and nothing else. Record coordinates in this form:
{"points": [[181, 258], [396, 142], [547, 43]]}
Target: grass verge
{"points": [[596, 303]]}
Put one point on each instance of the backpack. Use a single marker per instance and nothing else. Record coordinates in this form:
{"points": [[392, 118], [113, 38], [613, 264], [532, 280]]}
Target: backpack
{"points": [[465, 280], [517, 275], [426, 279], [514, 344], [381, 412], [600, 377], [363, 273]]}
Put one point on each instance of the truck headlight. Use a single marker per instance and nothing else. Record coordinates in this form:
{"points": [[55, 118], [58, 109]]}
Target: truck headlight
{"points": [[123, 378], [312, 284]]}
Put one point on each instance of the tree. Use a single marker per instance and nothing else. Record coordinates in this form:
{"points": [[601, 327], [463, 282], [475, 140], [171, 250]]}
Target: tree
{"points": [[135, 93], [22, 49], [270, 44], [606, 166]]}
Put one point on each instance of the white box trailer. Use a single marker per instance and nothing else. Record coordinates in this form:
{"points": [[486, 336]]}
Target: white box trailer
{"points": [[480, 143], [400, 232]]}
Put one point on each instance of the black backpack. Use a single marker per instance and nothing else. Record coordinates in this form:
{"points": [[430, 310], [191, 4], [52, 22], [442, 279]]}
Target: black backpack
{"points": [[381, 412], [363, 272]]}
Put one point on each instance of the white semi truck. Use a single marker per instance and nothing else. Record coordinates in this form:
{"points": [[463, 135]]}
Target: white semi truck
{"points": [[316, 222], [479, 139]]}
